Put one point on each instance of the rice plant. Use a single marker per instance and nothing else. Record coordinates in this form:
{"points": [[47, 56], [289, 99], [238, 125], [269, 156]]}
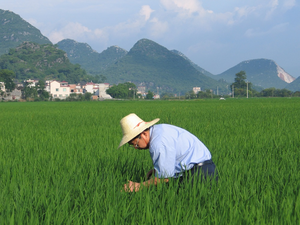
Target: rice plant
{"points": [[59, 163]]}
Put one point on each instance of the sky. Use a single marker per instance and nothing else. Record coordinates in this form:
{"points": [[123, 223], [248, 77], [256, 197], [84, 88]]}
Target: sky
{"points": [[214, 34]]}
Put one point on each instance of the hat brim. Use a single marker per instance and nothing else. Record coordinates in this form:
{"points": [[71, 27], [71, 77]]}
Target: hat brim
{"points": [[136, 132]]}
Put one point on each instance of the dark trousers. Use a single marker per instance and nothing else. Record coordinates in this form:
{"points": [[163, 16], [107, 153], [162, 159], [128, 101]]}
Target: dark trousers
{"points": [[206, 172]]}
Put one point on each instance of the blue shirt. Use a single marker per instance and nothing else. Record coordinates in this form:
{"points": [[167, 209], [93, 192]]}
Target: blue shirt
{"points": [[174, 150]]}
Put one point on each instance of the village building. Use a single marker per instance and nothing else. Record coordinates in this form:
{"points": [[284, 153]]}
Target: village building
{"points": [[156, 96], [101, 91], [76, 88], [31, 83], [196, 90], [2, 86], [58, 89]]}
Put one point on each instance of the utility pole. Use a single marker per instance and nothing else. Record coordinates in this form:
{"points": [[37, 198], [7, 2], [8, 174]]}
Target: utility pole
{"points": [[247, 89], [232, 91]]}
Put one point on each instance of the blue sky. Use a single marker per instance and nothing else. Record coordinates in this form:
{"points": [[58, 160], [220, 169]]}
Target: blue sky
{"points": [[215, 34]]}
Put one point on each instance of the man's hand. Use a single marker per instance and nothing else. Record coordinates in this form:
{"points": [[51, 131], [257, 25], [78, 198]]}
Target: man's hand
{"points": [[131, 186]]}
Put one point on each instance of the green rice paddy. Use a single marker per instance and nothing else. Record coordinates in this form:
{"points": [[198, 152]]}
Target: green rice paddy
{"points": [[59, 163]]}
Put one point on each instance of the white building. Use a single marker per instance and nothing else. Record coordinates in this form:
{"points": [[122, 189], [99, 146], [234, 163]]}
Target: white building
{"points": [[2, 86], [196, 89], [156, 96], [90, 87], [76, 88], [57, 89], [101, 92], [32, 83]]}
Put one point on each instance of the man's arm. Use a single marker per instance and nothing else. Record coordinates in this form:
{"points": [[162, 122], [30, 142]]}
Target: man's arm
{"points": [[134, 186]]}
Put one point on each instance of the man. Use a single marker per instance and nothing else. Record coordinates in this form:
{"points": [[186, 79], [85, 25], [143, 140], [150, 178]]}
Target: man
{"points": [[175, 152]]}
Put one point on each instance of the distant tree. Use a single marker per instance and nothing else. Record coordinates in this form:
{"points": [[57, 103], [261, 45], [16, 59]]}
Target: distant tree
{"points": [[239, 80], [87, 96], [167, 95], [149, 95], [100, 79], [124, 91], [7, 77], [204, 94], [29, 91], [273, 92], [42, 93], [296, 94], [240, 84], [72, 97], [285, 93], [190, 95]]}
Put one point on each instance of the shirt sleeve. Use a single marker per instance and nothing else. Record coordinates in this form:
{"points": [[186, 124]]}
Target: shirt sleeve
{"points": [[164, 161]]}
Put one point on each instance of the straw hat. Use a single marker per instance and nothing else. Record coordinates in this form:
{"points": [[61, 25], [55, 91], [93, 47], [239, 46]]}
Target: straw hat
{"points": [[132, 126]]}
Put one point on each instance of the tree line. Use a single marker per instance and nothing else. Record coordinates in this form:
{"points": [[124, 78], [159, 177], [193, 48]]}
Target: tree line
{"points": [[239, 88]]}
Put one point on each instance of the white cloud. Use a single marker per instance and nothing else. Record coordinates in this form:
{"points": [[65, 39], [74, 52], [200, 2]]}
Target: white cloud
{"points": [[158, 28], [279, 28], [185, 8], [288, 4], [146, 12], [244, 11], [273, 6], [76, 31]]}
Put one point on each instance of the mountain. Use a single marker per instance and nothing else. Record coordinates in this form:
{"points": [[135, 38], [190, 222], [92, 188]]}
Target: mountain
{"points": [[34, 61], [205, 72], [90, 60], [154, 66], [14, 31], [264, 73], [294, 86]]}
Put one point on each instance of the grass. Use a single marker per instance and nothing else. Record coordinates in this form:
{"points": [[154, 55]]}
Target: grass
{"points": [[59, 163]]}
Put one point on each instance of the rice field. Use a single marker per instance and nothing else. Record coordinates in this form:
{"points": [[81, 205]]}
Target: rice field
{"points": [[59, 163]]}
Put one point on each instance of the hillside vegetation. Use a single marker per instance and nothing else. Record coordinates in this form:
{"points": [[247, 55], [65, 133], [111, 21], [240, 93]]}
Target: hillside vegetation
{"points": [[14, 31], [90, 60], [295, 85], [260, 72], [153, 65], [147, 63], [34, 61]]}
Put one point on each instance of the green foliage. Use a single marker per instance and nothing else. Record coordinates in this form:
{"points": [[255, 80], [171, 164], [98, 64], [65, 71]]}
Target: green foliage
{"points": [[37, 92], [14, 31], [294, 86], [261, 72], [99, 79], [79, 97], [123, 91], [240, 85], [273, 92], [87, 96], [7, 77], [149, 95], [59, 163], [93, 62], [155, 66], [190, 95], [33, 61]]}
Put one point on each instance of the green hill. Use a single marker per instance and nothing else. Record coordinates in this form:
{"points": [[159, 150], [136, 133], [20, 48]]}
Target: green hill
{"points": [[152, 65], [264, 73], [294, 86], [90, 60], [34, 61], [205, 72], [14, 31]]}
